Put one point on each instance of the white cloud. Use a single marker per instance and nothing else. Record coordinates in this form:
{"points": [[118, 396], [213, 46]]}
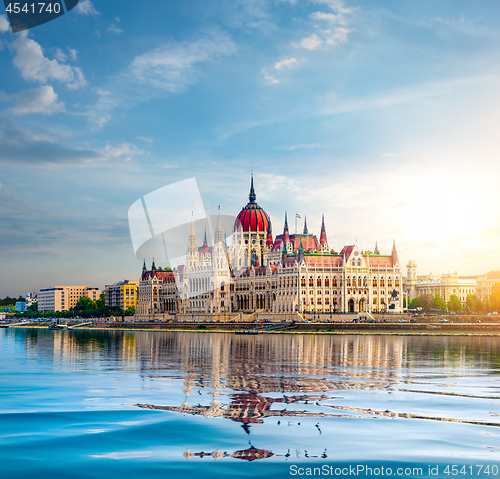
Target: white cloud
{"points": [[85, 7], [4, 24], [60, 55], [34, 66], [114, 29], [269, 78], [336, 34], [72, 53], [296, 147], [171, 66], [148, 140], [286, 63], [117, 19], [329, 17], [281, 65], [37, 100], [101, 91], [311, 43], [337, 6], [25, 147], [124, 152]]}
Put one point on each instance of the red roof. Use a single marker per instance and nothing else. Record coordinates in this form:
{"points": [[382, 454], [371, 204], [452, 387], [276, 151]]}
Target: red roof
{"points": [[347, 250], [252, 218], [380, 261], [323, 261], [309, 242], [165, 276]]}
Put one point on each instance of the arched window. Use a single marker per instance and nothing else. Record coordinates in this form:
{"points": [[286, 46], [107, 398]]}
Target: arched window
{"points": [[327, 282], [374, 282], [303, 281], [318, 282], [335, 282], [311, 282], [382, 282], [389, 282], [348, 281]]}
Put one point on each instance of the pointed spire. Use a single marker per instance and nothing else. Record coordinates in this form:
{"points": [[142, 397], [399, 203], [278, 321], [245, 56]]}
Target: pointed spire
{"points": [[394, 255], [322, 237], [192, 249], [376, 248], [300, 254], [219, 238], [305, 226], [286, 235], [144, 265], [153, 267], [205, 238], [394, 251], [252, 196], [269, 239]]}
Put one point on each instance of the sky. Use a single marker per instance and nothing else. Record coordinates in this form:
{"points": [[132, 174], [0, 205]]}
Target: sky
{"points": [[381, 115]]}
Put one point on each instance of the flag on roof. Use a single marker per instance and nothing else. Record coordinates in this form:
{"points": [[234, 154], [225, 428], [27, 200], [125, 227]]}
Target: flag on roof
{"points": [[297, 215]]}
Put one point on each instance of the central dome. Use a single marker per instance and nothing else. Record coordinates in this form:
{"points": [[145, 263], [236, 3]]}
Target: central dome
{"points": [[252, 217]]}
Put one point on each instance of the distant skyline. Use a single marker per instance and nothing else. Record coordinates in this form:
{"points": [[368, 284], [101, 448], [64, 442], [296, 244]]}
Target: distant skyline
{"points": [[381, 114]]}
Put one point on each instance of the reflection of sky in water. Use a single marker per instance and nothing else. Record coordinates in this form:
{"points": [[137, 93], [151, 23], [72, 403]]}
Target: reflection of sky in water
{"points": [[161, 398]]}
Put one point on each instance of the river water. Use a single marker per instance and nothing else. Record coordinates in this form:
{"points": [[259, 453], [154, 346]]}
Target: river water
{"points": [[99, 404]]}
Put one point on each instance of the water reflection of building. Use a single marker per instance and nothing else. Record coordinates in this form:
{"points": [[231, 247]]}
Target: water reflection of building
{"points": [[278, 363], [250, 454], [245, 408], [292, 363]]}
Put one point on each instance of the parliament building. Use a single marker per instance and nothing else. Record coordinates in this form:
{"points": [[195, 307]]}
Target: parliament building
{"points": [[256, 272]]}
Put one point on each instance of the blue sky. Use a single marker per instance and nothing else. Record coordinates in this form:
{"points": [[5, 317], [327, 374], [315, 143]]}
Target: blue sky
{"points": [[383, 115]]}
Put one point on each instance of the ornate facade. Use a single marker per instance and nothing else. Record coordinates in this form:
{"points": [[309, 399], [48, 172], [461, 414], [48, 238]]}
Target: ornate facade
{"points": [[286, 274]]}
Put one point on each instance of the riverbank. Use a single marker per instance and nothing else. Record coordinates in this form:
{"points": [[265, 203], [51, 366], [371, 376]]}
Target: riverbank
{"points": [[403, 329]]}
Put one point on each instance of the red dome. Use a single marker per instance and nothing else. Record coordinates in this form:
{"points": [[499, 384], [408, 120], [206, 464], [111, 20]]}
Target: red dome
{"points": [[252, 216]]}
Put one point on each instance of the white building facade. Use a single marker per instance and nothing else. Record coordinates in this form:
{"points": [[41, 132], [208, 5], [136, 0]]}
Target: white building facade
{"points": [[287, 274]]}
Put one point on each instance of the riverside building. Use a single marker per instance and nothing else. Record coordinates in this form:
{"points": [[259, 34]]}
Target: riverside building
{"points": [[122, 294], [63, 298], [289, 273]]}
